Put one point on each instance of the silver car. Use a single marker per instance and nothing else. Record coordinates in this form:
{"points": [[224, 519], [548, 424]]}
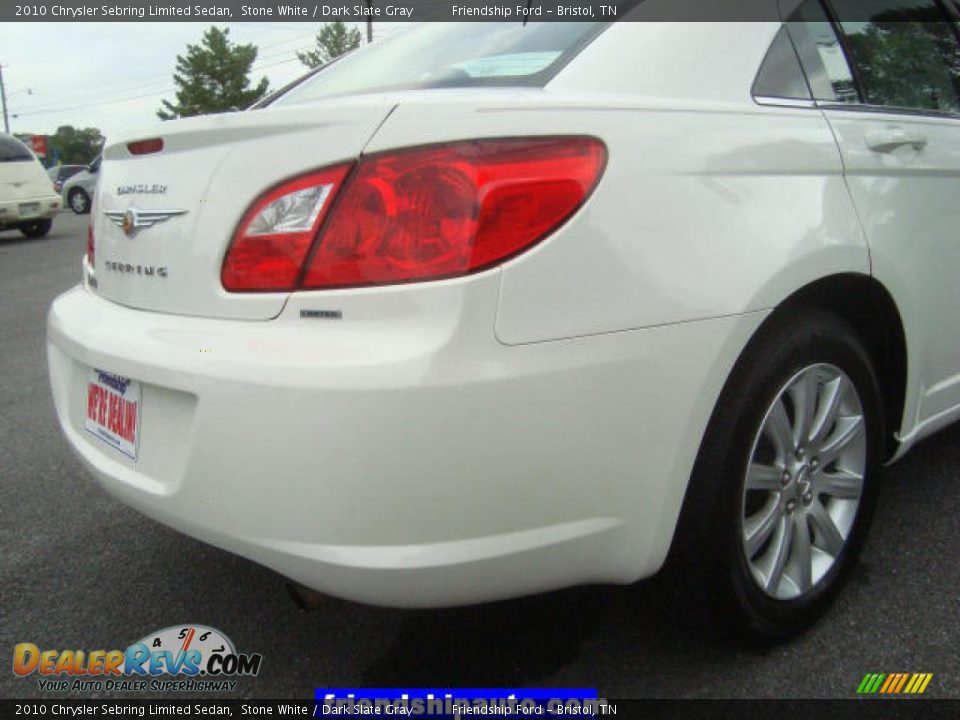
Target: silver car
{"points": [[78, 190]]}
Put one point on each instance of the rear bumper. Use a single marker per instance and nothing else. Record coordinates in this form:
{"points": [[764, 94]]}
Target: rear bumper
{"points": [[14, 213], [409, 463]]}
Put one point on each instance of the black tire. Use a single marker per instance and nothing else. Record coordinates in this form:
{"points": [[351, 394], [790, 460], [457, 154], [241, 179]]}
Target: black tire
{"points": [[79, 201], [37, 228], [708, 555]]}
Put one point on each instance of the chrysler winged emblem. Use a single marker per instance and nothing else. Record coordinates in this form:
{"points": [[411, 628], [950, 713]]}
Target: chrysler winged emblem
{"points": [[132, 219]]}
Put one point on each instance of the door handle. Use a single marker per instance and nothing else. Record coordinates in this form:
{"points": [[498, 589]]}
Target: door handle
{"points": [[889, 139]]}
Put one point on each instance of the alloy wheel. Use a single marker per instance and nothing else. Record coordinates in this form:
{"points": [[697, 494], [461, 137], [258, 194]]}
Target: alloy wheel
{"points": [[804, 481]]}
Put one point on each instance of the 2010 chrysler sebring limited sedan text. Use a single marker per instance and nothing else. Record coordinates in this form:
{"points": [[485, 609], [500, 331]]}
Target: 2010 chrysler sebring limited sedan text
{"points": [[489, 309]]}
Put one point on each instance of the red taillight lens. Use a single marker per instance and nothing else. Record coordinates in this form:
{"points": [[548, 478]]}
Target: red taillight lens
{"points": [[145, 147], [90, 255], [272, 241], [435, 212]]}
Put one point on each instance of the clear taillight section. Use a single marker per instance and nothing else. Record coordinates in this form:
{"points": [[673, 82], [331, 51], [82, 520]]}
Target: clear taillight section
{"points": [[272, 241], [419, 214]]}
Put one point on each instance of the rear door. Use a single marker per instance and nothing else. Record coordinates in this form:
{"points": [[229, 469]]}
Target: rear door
{"points": [[886, 74]]}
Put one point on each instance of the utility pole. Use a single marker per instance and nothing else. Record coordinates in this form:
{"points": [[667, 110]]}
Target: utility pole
{"points": [[369, 23], [3, 99]]}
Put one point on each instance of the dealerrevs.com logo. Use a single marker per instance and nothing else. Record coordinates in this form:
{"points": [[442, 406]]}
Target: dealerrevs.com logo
{"points": [[178, 658]]}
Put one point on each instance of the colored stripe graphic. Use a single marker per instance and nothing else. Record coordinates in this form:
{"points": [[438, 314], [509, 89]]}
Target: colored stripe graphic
{"points": [[919, 683], [894, 683], [903, 679], [892, 679]]}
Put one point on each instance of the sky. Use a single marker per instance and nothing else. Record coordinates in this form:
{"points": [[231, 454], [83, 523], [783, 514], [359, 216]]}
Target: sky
{"points": [[113, 76]]}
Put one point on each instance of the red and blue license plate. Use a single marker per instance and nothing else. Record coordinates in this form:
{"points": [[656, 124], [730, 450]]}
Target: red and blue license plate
{"points": [[113, 410]]}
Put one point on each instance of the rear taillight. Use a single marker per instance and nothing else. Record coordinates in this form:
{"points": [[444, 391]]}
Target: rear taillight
{"points": [[420, 214], [145, 147], [90, 255]]}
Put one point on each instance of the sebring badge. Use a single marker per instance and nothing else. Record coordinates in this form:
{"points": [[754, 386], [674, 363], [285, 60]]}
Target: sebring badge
{"points": [[133, 219]]}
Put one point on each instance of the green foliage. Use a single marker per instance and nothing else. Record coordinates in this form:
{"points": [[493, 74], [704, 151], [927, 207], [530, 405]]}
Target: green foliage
{"points": [[214, 77], [74, 146], [333, 40], [904, 64]]}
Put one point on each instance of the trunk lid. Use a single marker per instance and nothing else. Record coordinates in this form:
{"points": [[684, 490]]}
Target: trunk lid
{"points": [[184, 202]]}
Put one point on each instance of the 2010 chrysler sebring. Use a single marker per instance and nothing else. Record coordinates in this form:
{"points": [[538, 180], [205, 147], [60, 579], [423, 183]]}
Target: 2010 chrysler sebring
{"points": [[490, 309]]}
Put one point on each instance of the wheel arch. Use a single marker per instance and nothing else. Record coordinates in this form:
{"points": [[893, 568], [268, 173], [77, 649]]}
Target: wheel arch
{"points": [[864, 303]]}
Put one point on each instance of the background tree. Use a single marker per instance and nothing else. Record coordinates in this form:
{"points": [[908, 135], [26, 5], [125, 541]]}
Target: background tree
{"points": [[333, 40], [214, 77], [908, 58], [74, 146]]}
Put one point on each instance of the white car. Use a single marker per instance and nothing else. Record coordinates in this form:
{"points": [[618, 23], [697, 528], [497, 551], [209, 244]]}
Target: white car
{"points": [[27, 200], [79, 189], [474, 312]]}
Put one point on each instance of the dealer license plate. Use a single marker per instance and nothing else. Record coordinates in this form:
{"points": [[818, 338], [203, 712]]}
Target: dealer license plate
{"points": [[113, 410]]}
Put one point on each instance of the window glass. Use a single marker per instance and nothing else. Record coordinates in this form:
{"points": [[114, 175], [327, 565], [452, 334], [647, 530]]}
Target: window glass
{"points": [[822, 54], [780, 74], [905, 51], [12, 150], [469, 54]]}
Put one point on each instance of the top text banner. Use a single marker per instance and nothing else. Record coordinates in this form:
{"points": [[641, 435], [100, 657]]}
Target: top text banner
{"points": [[390, 10]]}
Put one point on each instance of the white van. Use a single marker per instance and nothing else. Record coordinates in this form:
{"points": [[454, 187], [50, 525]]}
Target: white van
{"points": [[27, 200]]}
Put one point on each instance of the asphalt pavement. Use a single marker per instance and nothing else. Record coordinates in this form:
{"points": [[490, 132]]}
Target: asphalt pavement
{"points": [[80, 570]]}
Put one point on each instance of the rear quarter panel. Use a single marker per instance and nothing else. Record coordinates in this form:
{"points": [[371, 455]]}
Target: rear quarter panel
{"points": [[710, 205]]}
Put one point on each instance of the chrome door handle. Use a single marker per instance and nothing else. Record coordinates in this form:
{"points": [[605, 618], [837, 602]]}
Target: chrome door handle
{"points": [[889, 139]]}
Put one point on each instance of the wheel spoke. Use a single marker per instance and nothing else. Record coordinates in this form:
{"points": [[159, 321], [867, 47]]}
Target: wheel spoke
{"points": [[803, 393], [828, 537], [757, 528], [840, 484], [831, 393], [801, 558], [778, 430], [780, 548], [848, 429], [764, 477]]}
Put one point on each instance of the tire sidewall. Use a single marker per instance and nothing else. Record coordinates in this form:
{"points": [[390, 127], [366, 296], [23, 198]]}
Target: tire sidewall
{"points": [[776, 357], [37, 229], [86, 201]]}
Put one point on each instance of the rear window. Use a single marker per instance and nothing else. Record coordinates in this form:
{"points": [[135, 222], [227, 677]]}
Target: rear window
{"points": [[444, 55], [12, 150]]}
